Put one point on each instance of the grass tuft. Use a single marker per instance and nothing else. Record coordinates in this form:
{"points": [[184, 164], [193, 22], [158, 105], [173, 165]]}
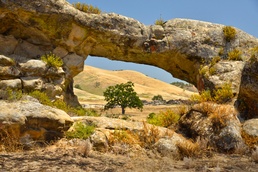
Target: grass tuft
{"points": [[160, 22], [80, 131], [235, 55], [229, 33], [86, 8], [52, 60], [163, 118], [220, 95]]}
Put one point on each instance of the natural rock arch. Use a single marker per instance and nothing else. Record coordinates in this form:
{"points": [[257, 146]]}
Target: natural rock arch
{"points": [[180, 46]]}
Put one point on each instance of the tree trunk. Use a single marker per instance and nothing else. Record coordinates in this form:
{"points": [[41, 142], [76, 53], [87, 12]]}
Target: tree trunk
{"points": [[123, 110]]}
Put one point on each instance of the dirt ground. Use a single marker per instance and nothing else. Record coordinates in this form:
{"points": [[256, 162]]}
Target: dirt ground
{"points": [[136, 114], [55, 158]]}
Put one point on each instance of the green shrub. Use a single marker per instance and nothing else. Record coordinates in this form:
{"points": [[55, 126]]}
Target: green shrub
{"points": [[221, 51], [41, 96], [60, 104], [77, 86], [205, 96], [160, 22], [52, 60], [80, 131], [203, 70], [215, 60], [235, 55], [12, 94], [154, 119], [212, 70], [86, 8], [220, 95], [157, 97], [224, 93], [254, 54], [254, 51], [163, 118], [229, 33]]}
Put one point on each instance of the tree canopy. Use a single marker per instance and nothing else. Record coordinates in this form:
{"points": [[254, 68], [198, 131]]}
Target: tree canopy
{"points": [[122, 95]]}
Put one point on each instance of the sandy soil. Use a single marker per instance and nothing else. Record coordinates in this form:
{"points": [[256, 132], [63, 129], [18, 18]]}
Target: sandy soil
{"points": [[58, 158]]}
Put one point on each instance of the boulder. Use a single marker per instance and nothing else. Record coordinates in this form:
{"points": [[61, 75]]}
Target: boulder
{"points": [[227, 72], [33, 68], [250, 127], [74, 63], [216, 123], [9, 72], [6, 61], [32, 120], [167, 146], [99, 140], [14, 84], [32, 83], [247, 102]]}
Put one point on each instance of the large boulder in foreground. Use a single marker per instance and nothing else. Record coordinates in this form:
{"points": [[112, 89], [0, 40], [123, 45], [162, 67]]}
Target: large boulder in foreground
{"points": [[29, 119], [247, 102], [216, 123]]}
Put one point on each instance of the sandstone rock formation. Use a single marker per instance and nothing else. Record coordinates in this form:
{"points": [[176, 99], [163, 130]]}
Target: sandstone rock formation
{"points": [[32, 121], [180, 46]]}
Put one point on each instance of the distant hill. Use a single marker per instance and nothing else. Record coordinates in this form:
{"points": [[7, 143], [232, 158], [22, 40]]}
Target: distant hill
{"points": [[90, 84]]}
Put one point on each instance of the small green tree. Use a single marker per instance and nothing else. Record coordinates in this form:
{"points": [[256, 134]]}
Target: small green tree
{"points": [[157, 97], [122, 95]]}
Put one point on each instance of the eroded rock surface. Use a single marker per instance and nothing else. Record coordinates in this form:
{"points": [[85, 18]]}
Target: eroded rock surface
{"points": [[216, 123], [33, 121]]}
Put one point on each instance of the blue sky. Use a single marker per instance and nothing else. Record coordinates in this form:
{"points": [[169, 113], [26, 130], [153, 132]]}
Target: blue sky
{"points": [[242, 14]]}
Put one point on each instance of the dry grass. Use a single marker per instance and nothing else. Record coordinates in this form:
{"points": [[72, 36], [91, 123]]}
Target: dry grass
{"points": [[219, 118], [149, 136], [122, 141], [123, 136], [167, 118], [190, 149], [250, 141], [217, 114], [10, 139], [146, 87], [229, 33]]}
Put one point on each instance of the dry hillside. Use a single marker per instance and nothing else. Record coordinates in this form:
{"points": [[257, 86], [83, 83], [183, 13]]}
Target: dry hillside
{"points": [[93, 81]]}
